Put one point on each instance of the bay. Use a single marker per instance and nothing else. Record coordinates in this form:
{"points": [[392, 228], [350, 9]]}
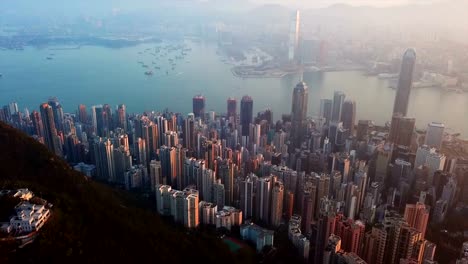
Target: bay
{"points": [[94, 75]]}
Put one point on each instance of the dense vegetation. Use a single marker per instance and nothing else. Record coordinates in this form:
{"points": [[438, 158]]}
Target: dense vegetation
{"points": [[91, 222]]}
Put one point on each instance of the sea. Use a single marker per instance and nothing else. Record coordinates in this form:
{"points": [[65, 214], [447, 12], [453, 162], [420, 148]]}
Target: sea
{"points": [[94, 75]]}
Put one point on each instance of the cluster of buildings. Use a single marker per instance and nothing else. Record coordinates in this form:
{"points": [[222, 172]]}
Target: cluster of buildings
{"points": [[348, 192], [29, 216]]}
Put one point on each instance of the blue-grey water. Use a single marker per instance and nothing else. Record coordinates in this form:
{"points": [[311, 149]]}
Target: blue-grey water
{"points": [[95, 75]]}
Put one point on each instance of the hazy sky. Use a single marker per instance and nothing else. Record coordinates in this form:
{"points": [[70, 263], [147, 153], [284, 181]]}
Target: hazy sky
{"points": [[324, 3]]}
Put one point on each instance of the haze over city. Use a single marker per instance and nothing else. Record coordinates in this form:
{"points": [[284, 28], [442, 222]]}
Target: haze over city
{"points": [[250, 131]]}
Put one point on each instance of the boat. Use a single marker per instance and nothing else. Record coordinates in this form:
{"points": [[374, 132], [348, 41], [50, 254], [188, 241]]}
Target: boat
{"points": [[149, 73], [157, 67], [49, 58], [145, 66], [167, 72], [1, 75]]}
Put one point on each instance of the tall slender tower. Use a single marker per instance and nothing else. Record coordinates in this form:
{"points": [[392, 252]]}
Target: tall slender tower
{"points": [[299, 112], [58, 113], [37, 124], [294, 29], [246, 114], [122, 117], [277, 204], [405, 83], [50, 132]]}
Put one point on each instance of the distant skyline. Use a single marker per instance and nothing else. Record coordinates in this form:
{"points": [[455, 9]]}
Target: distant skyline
{"points": [[326, 3]]}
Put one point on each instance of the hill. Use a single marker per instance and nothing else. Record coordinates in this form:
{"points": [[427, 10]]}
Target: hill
{"points": [[91, 222]]}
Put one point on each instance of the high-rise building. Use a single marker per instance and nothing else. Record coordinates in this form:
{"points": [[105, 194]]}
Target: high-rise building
{"points": [[404, 83], [348, 116], [82, 114], [199, 106], [189, 132], [225, 172], [363, 129], [434, 135], [122, 117], [375, 245], [232, 108], [155, 174], [57, 112], [246, 194], [326, 106], [338, 100], [37, 124], [246, 114], [50, 133], [219, 194], [417, 216], [404, 242], [294, 30], [299, 112], [401, 130], [263, 199], [277, 195]]}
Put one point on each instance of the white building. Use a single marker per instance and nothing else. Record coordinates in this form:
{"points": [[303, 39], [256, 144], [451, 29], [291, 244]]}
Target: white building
{"points": [[29, 217]]}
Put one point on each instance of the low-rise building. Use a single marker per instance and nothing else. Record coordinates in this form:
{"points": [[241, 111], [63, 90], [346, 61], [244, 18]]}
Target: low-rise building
{"points": [[259, 236]]}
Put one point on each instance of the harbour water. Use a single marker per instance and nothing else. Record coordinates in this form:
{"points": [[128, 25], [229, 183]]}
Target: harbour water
{"points": [[95, 75]]}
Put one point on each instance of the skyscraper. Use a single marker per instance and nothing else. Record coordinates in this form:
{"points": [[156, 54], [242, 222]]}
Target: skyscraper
{"points": [[348, 116], [277, 195], [326, 106], [401, 130], [82, 114], [263, 197], [246, 114], [434, 135], [405, 83], [37, 124], [294, 29], [57, 112], [231, 107], [198, 104], [338, 100], [417, 216], [189, 133], [50, 133], [122, 117], [299, 112]]}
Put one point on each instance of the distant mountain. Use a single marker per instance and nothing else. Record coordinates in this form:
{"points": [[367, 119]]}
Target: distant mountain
{"points": [[91, 222]]}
